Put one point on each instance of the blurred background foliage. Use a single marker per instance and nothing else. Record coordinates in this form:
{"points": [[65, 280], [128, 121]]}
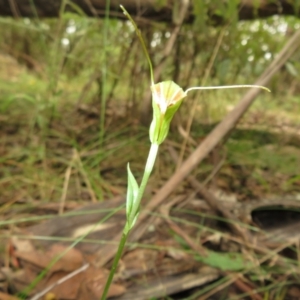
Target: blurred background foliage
{"points": [[52, 87]]}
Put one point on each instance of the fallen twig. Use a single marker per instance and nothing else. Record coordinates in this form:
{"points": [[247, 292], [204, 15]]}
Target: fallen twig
{"points": [[60, 281]]}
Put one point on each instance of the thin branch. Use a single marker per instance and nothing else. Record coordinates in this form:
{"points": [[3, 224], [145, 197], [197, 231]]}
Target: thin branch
{"points": [[60, 281]]}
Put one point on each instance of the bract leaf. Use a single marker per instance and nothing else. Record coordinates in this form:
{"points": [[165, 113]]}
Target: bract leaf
{"points": [[132, 207]]}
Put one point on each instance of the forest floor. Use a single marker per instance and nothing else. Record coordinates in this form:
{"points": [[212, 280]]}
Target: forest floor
{"points": [[54, 160]]}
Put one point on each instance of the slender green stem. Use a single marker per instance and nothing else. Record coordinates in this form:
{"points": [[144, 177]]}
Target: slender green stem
{"points": [[148, 169], [139, 34], [114, 265]]}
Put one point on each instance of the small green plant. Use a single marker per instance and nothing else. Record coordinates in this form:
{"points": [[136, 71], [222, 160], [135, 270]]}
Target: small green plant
{"points": [[167, 97]]}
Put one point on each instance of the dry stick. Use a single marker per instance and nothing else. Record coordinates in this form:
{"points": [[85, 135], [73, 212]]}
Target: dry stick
{"points": [[167, 51], [240, 284], [215, 171], [66, 184], [220, 287], [14, 8], [85, 177], [92, 8], [208, 144], [60, 281]]}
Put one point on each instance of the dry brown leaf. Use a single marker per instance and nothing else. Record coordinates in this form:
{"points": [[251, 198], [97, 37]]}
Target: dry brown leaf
{"points": [[71, 261], [93, 285], [4, 296]]}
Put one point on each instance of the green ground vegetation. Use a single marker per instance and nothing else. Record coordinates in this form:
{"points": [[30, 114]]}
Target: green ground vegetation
{"points": [[55, 98], [52, 89]]}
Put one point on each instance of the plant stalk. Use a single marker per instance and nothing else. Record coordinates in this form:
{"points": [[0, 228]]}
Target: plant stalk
{"points": [[114, 265], [147, 172]]}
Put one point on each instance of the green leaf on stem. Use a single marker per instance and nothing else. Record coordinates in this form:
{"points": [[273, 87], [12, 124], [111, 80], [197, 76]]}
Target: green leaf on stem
{"points": [[132, 201]]}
